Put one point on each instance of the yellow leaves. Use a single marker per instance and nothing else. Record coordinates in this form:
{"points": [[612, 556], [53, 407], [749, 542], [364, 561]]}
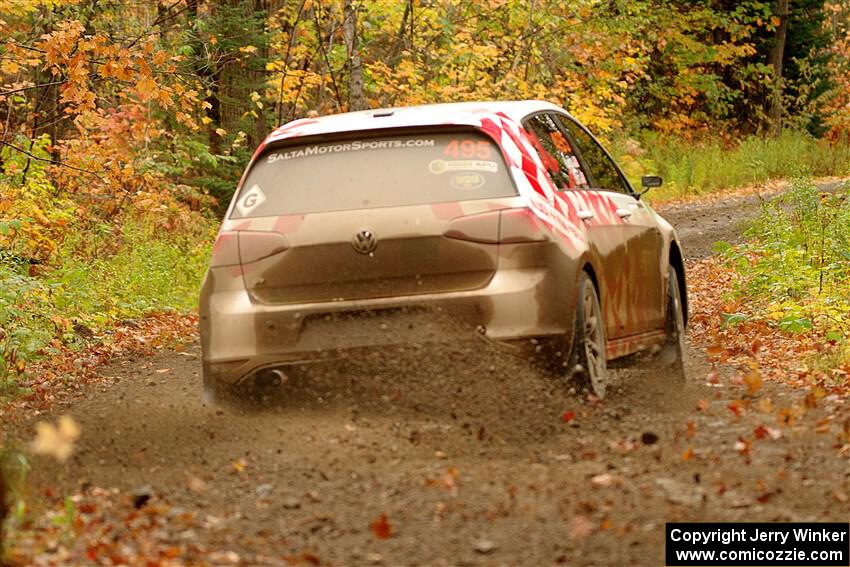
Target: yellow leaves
{"points": [[146, 88], [160, 57], [56, 441], [248, 49], [186, 120], [239, 465], [9, 67]]}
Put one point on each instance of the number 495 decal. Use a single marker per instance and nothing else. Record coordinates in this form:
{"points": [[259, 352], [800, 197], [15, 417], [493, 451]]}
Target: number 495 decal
{"points": [[468, 149]]}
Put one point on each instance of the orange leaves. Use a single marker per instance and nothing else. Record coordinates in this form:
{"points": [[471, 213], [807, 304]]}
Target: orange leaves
{"points": [[760, 349], [381, 527], [80, 59], [146, 88], [753, 381], [736, 407], [764, 432]]}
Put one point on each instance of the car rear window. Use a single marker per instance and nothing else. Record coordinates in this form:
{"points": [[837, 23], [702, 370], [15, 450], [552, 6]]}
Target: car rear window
{"points": [[369, 172]]}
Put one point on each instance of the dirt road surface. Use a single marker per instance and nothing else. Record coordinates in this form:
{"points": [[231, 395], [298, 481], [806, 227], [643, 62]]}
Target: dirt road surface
{"points": [[464, 452]]}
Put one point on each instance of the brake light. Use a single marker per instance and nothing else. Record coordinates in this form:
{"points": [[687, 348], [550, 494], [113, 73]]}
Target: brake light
{"points": [[255, 246], [225, 251], [483, 227], [520, 225], [507, 226]]}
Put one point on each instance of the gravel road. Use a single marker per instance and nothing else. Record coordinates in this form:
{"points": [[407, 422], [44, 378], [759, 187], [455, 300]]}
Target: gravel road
{"points": [[465, 453]]}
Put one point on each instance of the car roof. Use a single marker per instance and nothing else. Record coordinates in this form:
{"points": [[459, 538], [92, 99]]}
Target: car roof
{"points": [[455, 113]]}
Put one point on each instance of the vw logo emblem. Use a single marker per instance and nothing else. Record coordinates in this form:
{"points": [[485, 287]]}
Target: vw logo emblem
{"points": [[364, 242]]}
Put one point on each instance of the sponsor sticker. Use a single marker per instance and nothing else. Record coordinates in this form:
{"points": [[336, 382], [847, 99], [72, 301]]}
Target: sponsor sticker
{"points": [[439, 166], [467, 181], [251, 200], [354, 146]]}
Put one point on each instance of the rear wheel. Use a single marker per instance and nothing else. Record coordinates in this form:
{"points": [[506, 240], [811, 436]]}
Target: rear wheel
{"points": [[673, 353], [587, 365]]}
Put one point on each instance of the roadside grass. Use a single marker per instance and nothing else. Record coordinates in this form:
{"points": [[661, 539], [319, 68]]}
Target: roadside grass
{"points": [[92, 283], [694, 168], [786, 290]]}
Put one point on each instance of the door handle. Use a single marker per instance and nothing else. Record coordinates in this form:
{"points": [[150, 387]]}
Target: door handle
{"points": [[624, 213], [586, 215]]}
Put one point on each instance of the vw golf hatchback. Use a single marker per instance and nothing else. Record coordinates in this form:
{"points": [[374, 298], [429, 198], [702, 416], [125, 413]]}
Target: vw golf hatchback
{"points": [[501, 220]]}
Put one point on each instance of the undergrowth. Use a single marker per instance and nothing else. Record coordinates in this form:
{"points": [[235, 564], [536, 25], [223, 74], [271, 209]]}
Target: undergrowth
{"points": [[794, 269], [691, 168], [73, 264]]}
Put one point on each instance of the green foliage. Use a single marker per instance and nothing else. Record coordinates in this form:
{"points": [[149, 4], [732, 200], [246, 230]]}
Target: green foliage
{"points": [[95, 283], [797, 261], [692, 168]]}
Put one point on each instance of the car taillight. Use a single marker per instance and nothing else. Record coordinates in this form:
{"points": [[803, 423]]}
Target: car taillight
{"points": [[232, 248], [520, 225], [255, 246], [508, 226], [225, 251], [483, 227]]}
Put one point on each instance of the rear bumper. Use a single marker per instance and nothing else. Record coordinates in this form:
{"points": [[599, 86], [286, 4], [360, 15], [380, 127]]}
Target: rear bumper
{"points": [[240, 337]]}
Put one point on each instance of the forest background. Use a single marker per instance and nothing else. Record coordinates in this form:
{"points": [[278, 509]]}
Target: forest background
{"points": [[125, 125]]}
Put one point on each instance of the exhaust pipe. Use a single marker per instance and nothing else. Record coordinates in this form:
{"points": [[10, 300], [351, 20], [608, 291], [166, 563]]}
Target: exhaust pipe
{"points": [[269, 379]]}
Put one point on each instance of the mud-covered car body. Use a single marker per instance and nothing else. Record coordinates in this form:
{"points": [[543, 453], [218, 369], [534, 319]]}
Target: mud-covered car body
{"points": [[391, 226]]}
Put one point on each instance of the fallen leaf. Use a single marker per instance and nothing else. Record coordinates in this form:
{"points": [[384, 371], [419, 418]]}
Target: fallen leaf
{"points": [[195, 484], [743, 446], [56, 441], [381, 527], [753, 381], [604, 479], [580, 527], [735, 407]]}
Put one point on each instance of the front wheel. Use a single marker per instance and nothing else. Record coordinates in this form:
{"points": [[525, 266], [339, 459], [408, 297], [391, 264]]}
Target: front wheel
{"points": [[587, 364], [674, 351]]}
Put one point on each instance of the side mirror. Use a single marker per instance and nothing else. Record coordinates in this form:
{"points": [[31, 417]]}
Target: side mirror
{"points": [[650, 181]]}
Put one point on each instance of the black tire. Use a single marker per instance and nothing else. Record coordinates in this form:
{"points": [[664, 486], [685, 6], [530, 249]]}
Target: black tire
{"points": [[674, 352], [587, 366]]}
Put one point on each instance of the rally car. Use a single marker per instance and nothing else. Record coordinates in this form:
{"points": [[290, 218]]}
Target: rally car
{"points": [[506, 221]]}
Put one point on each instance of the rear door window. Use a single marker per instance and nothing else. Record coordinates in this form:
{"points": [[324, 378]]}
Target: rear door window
{"points": [[373, 172], [556, 152], [603, 172]]}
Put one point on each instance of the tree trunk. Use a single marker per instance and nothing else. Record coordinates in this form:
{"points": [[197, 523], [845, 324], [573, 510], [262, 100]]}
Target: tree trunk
{"points": [[777, 53], [356, 101], [210, 76], [260, 128]]}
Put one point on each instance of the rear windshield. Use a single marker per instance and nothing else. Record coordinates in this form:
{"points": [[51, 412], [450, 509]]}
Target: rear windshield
{"points": [[365, 173]]}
